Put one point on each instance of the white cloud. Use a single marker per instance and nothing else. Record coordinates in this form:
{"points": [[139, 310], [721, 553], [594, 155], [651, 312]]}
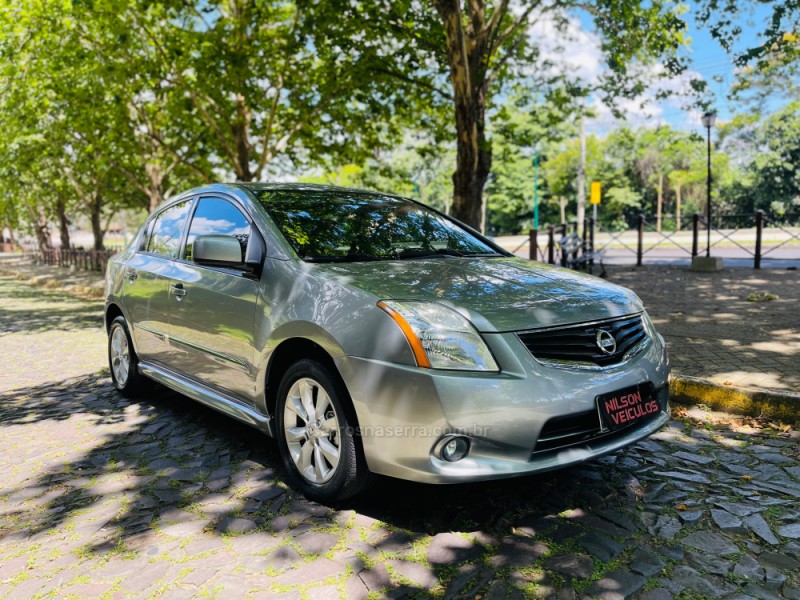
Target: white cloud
{"points": [[567, 47]]}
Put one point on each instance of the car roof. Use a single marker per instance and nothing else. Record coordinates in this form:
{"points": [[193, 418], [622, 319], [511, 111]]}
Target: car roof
{"points": [[306, 187]]}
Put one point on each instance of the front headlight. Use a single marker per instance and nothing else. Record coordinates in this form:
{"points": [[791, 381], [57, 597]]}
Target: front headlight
{"points": [[649, 327], [440, 337]]}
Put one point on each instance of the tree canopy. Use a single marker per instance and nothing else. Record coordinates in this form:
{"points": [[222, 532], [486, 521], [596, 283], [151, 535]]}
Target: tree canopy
{"points": [[116, 104]]}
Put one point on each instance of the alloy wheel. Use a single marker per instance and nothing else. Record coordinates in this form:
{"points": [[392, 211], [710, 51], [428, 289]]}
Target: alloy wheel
{"points": [[120, 356], [311, 431]]}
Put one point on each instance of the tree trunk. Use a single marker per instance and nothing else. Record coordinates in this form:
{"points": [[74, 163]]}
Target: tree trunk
{"points": [[243, 147], [63, 223], [678, 207], [41, 229], [467, 59], [97, 221], [562, 205], [155, 187], [660, 201]]}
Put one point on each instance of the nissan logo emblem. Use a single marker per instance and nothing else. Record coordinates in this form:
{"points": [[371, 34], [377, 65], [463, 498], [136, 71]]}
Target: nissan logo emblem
{"points": [[606, 342]]}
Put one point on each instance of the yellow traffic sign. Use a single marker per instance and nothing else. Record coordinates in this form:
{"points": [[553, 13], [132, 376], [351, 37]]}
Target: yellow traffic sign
{"points": [[595, 195]]}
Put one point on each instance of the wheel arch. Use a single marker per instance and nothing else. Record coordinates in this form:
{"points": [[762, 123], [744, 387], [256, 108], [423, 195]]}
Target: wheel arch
{"points": [[113, 311], [285, 354]]}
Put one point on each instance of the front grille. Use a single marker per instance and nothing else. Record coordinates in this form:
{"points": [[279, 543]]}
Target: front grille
{"points": [[577, 344]]}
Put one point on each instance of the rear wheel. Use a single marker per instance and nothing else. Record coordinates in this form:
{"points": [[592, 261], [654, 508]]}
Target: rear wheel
{"points": [[316, 434], [122, 360]]}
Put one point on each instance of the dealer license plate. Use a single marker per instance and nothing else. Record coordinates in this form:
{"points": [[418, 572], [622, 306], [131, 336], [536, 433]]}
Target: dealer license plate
{"points": [[627, 406]]}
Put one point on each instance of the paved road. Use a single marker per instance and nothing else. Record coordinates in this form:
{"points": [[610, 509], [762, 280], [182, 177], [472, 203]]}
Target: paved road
{"points": [[783, 258], [106, 497]]}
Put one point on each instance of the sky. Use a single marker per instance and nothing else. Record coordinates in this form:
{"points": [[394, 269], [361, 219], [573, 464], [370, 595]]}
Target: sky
{"points": [[581, 50]]}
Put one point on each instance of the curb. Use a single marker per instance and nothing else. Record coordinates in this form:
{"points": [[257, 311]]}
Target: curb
{"points": [[751, 401], [84, 292]]}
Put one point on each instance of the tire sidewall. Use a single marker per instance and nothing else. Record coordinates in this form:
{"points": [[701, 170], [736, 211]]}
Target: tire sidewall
{"points": [[121, 323], [334, 488]]}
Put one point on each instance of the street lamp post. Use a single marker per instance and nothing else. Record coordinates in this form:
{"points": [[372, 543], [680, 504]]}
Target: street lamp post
{"points": [[709, 119], [707, 263]]}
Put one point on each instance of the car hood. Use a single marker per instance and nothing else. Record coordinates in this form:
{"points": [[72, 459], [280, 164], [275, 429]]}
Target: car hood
{"points": [[496, 294]]}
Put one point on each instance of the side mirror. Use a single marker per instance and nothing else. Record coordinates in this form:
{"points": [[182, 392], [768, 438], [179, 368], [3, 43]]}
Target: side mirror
{"points": [[226, 251], [217, 250]]}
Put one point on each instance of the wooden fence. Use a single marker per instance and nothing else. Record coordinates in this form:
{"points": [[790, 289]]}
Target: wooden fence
{"points": [[82, 260]]}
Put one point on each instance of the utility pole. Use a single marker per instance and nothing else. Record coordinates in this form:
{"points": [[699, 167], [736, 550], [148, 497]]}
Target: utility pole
{"points": [[582, 175], [536, 188]]}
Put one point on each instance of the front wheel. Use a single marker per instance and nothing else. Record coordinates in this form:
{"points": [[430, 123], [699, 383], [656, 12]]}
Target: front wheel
{"points": [[316, 434]]}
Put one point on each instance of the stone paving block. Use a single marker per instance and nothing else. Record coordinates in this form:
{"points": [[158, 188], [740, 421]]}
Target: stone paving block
{"points": [[324, 592], [517, 552], [761, 528], [355, 589], [713, 543], [235, 525], [656, 594], [417, 574], [282, 558], [726, 521], [253, 543], [646, 563], [450, 548], [572, 565], [376, 578], [601, 547], [316, 570], [398, 541], [686, 578], [145, 577], [708, 563], [313, 542]]}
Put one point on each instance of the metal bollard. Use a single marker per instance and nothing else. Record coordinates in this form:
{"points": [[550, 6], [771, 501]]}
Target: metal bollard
{"points": [[759, 232]]}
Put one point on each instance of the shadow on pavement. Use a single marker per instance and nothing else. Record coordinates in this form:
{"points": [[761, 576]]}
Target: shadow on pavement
{"points": [[26, 309], [122, 488]]}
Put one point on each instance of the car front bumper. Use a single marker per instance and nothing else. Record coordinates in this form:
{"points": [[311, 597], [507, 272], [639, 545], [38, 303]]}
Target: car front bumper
{"points": [[405, 413]]}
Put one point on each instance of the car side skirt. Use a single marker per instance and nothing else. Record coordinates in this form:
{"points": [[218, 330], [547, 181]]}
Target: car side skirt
{"points": [[214, 399]]}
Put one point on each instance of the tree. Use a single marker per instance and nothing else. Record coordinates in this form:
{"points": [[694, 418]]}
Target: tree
{"points": [[522, 126], [688, 161], [463, 53], [776, 168], [265, 88], [416, 168]]}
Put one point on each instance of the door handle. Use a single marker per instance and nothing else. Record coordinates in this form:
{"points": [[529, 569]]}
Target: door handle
{"points": [[131, 274], [177, 290]]}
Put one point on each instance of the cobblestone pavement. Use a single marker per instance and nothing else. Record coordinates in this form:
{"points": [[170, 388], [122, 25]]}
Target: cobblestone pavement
{"points": [[712, 329], [106, 497]]}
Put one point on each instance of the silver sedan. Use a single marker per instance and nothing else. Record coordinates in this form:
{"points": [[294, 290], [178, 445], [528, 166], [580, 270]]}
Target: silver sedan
{"points": [[368, 334]]}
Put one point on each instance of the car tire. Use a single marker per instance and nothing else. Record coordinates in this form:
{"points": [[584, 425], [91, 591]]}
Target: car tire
{"points": [[322, 455], [122, 360]]}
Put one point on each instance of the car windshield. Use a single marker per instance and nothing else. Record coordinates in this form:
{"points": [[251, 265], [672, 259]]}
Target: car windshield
{"points": [[326, 226]]}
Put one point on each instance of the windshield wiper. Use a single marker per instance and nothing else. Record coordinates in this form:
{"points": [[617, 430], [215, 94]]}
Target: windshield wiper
{"points": [[422, 253], [343, 258]]}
